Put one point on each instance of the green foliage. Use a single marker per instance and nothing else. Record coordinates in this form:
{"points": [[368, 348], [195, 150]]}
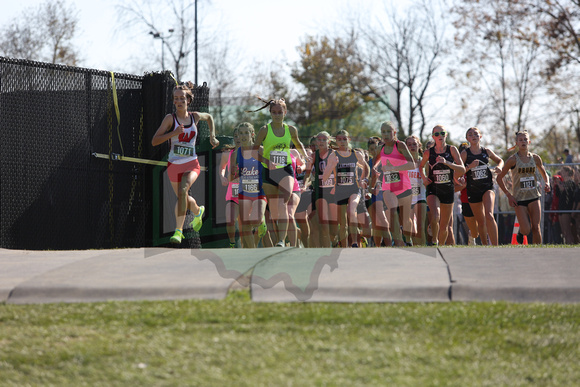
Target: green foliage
{"points": [[236, 341], [326, 71]]}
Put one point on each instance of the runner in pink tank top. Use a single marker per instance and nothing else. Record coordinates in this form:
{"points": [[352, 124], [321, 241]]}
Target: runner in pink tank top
{"points": [[397, 192], [396, 181], [297, 163], [231, 199]]}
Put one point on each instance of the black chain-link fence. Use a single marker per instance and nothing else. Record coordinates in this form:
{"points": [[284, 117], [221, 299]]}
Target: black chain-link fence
{"points": [[54, 194]]}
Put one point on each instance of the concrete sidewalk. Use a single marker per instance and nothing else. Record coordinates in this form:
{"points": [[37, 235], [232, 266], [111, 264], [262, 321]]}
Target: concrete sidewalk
{"points": [[293, 275]]}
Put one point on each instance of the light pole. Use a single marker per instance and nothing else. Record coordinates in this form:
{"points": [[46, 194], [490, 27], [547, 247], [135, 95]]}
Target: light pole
{"points": [[157, 35], [196, 42]]}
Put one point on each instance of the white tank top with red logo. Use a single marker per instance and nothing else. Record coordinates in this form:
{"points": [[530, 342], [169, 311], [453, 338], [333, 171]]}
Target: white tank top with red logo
{"points": [[183, 146]]}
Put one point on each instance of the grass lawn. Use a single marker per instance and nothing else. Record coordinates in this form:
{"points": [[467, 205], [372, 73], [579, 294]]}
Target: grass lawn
{"points": [[237, 342]]}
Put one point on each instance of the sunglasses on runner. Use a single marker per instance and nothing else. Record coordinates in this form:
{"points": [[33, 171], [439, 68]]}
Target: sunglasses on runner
{"points": [[436, 134]]}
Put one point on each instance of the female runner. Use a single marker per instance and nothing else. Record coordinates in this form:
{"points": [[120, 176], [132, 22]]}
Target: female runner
{"points": [[251, 195], [303, 213], [278, 179], [232, 211], [524, 166], [444, 161], [419, 202], [323, 198], [343, 164], [479, 179], [396, 161], [295, 199], [183, 167], [375, 206]]}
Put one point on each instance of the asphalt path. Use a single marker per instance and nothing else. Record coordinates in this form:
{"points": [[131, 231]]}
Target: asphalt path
{"points": [[446, 274]]}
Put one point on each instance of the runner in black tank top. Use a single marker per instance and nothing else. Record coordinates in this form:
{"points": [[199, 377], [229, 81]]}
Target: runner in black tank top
{"points": [[323, 200], [344, 163], [480, 193], [440, 188]]}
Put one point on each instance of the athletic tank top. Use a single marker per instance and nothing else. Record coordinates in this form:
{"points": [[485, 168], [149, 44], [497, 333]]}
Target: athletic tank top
{"points": [[379, 177], [395, 181], [440, 174], [250, 175], [346, 170], [277, 149], [525, 183], [479, 179], [296, 187], [319, 167], [417, 185], [233, 187], [183, 146]]}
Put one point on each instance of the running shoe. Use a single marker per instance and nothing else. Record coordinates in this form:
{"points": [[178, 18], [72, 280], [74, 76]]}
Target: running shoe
{"points": [[197, 219], [520, 238], [177, 237], [262, 228], [355, 245], [232, 245], [281, 244], [364, 242]]}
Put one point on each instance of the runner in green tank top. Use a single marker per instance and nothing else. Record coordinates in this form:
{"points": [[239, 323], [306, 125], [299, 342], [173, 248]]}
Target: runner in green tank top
{"points": [[524, 167], [278, 180]]}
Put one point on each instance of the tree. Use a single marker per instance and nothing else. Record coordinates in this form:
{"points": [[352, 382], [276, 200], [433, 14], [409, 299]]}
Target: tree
{"points": [[402, 58], [325, 74], [559, 22], [173, 22], [561, 26], [499, 67], [218, 66], [44, 34]]}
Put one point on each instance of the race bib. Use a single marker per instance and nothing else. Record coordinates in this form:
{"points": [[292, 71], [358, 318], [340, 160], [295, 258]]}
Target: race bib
{"points": [[326, 183], [527, 183], [183, 149], [345, 178], [392, 177], [442, 176], [251, 186], [480, 172], [416, 191], [235, 190], [279, 158]]}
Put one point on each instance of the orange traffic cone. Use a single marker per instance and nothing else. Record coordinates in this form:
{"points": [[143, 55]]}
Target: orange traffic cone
{"points": [[515, 234]]}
